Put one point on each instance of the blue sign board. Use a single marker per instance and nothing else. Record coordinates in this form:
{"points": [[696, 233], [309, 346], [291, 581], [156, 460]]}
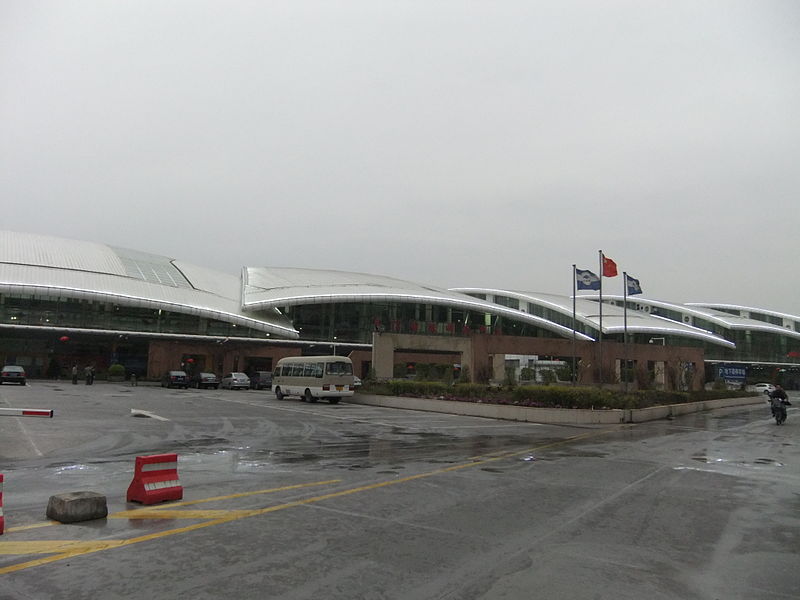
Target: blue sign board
{"points": [[731, 373]]}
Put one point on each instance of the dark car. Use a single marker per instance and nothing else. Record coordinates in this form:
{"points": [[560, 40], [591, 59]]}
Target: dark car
{"points": [[261, 380], [175, 379], [13, 374], [205, 380]]}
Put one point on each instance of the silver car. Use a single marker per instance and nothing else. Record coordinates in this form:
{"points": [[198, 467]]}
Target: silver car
{"points": [[235, 381]]}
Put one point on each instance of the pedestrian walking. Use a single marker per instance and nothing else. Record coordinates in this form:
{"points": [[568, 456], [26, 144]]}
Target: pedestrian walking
{"points": [[74, 374]]}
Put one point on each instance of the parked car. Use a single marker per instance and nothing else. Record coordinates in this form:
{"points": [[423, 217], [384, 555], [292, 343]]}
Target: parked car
{"points": [[764, 388], [204, 380], [356, 381], [235, 381], [13, 374], [175, 379], [261, 380]]}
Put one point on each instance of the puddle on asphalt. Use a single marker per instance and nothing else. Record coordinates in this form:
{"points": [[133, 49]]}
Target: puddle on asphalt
{"points": [[390, 450], [724, 461], [73, 468]]}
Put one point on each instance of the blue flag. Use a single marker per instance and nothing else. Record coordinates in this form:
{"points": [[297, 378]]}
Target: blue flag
{"points": [[633, 285], [586, 280]]}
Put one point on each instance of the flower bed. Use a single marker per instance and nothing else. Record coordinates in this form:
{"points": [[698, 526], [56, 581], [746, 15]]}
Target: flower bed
{"points": [[547, 396]]}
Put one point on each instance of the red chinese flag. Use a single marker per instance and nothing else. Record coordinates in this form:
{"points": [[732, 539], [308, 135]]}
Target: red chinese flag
{"points": [[609, 267]]}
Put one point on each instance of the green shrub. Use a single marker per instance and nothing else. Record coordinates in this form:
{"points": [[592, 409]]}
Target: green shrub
{"points": [[116, 370], [719, 384], [423, 371], [548, 376], [702, 395], [563, 397], [470, 390], [550, 396], [401, 387]]}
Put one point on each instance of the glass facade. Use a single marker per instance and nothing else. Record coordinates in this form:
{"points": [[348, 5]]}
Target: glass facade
{"points": [[357, 321], [30, 310]]}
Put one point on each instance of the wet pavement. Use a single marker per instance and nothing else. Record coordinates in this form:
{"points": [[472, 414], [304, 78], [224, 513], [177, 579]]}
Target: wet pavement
{"points": [[294, 500]]}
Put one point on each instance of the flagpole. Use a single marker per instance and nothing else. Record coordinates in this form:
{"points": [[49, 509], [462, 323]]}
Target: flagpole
{"points": [[574, 294], [600, 336], [625, 327]]}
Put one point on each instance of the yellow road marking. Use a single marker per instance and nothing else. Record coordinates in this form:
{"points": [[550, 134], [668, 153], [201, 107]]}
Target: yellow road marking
{"points": [[53, 546], [178, 514], [91, 547], [129, 513], [244, 494], [33, 526]]}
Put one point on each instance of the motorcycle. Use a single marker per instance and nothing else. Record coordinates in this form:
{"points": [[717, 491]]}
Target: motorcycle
{"points": [[779, 405]]}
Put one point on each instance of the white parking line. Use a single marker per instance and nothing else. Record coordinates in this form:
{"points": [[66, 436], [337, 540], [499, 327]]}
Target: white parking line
{"points": [[28, 436], [135, 412]]}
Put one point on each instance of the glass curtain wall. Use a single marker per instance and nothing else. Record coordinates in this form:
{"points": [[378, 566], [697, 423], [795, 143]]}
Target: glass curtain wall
{"points": [[31, 310]]}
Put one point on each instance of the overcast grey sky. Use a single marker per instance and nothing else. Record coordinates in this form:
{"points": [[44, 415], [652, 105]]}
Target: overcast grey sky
{"points": [[452, 143]]}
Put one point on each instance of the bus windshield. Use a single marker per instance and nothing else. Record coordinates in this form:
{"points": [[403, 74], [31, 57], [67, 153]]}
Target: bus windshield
{"points": [[339, 368]]}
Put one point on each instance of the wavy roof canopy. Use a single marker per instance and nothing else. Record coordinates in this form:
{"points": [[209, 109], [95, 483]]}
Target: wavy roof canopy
{"points": [[49, 266], [587, 311], [46, 266], [721, 318], [273, 287]]}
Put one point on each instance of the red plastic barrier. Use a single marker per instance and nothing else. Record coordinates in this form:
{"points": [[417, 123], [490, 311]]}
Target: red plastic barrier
{"points": [[2, 518], [27, 412], [155, 479]]}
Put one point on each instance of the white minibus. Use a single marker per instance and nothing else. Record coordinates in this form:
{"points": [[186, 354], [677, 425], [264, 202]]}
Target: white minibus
{"points": [[313, 377]]}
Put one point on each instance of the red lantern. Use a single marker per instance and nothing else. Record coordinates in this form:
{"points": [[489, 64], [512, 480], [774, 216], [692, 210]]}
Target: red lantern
{"points": [[63, 338], [190, 360]]}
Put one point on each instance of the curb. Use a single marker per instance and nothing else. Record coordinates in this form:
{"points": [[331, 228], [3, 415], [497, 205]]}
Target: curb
{"points": [[558, 416]]}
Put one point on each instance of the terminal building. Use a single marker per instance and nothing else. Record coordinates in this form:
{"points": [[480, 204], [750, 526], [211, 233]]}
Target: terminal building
{"points": [[67, 302]]}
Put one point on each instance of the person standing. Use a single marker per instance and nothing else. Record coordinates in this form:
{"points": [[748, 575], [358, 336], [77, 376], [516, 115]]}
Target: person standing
{"points": [[74, 374]]}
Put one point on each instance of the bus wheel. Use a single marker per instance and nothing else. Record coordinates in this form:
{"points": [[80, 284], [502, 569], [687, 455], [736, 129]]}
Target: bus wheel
{"points": [[309, 397], [333, 400], [278, 393]]}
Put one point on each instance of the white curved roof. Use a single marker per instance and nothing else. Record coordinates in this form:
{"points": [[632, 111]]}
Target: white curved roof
{"points": [[49, 266], [270, 287], [718, 307], [587, 311], [721, 318]]}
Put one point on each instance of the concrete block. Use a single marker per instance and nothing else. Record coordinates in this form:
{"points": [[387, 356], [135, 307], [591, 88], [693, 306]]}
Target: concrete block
{"points": [[73, 507]]}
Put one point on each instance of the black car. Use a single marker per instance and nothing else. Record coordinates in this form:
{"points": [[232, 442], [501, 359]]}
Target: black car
{"points": [[261, 380], [175, 379], [13, 374], [205, 380]]}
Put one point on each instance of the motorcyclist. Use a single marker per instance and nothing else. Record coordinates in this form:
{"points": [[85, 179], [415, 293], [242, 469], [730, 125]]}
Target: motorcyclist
{"points": [[778, 402]]}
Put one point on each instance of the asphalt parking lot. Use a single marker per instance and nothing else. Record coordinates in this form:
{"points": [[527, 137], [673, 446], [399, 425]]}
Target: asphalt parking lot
{"points": [[284, 499]]}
